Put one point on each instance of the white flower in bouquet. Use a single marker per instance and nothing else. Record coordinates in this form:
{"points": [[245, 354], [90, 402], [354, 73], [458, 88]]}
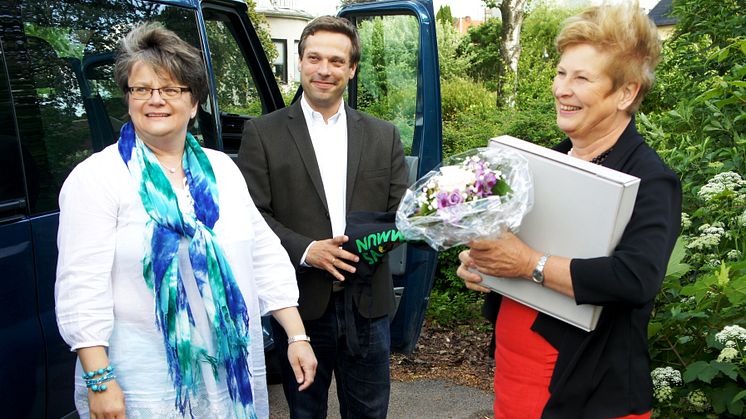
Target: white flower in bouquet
{"points": [[454, 178]]}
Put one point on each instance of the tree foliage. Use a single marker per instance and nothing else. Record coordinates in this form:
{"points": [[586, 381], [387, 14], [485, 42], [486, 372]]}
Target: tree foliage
{"points": [[512, 14], [483, 42], [444, 15], [454, 62], [261, 25], [388, 71], [696, 118]]}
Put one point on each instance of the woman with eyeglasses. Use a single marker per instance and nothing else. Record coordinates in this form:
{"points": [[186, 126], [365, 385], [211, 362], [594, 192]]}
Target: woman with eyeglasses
{"points": [[165, 266]]}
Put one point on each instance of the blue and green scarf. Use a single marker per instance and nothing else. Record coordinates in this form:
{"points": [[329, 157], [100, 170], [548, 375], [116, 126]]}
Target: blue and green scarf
{"points": [[224, 303]]}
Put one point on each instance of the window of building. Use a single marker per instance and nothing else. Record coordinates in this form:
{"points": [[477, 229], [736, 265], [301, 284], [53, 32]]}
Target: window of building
{"points": [[280, 65], [296, 58]]}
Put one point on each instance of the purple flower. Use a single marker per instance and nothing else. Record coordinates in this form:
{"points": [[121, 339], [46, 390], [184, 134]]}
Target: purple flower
{"points": [[483, 185], [455, 198], [442, 198], [489, 181]]}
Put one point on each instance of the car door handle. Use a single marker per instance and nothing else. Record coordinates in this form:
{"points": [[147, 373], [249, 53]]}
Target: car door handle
{"points": [[12, 210]]}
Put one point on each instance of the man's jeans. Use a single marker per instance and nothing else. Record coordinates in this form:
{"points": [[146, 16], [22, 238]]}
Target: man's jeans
{"points": [[363, 383]]}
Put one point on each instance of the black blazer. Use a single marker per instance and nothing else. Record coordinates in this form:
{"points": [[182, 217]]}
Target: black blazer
{"points": [[278, 161], [606, 373]]}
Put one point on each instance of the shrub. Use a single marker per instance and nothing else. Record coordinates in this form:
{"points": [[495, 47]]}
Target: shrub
{"points": [[450, 302], [460, 95]]}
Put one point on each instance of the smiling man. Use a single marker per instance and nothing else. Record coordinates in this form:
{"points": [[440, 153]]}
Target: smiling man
{"points": [[307, 166]]}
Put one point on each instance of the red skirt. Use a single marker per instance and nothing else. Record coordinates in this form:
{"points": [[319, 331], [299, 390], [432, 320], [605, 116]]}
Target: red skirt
{"points": [[524, 362]]}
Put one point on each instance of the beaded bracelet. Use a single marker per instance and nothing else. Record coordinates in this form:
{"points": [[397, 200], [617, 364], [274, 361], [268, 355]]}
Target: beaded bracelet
{"points": [[101, 371], [97, 384]]}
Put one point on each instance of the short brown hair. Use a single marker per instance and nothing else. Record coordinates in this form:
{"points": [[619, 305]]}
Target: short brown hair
{"points": [[627, 34], [336, 25], [163, 50]]}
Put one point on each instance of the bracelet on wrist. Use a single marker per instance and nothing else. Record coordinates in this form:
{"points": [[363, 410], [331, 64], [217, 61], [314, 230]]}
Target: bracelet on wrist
{"points": [[298, 338], [100, 371], [97, 384]]}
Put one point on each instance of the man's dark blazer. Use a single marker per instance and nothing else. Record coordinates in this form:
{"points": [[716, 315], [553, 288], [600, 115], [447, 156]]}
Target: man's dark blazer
{"points": [[278, 161]]}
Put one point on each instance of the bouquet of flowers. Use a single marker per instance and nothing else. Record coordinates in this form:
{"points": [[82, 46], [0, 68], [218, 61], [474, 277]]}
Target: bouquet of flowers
{"points": [[479, 193]]}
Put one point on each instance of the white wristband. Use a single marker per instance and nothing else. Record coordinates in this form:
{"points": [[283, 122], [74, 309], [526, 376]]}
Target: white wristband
{"points": [[298, 338]]}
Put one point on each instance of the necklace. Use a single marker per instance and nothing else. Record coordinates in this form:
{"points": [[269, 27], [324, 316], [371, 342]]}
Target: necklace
{"points": [[170, 170], [598, 159], [601, 157]]}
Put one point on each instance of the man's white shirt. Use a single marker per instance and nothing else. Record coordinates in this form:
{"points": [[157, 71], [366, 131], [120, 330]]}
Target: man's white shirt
{"points": [[329, 139]]}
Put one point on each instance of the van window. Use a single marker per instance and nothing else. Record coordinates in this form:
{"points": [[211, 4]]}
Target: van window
{"points": [[237, 92], [387, 80], [60, 58], [11, 168]]}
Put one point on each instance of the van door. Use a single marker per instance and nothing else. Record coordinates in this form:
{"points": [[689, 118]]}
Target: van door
{"points": [[245, 86], [58, 105], [398, 80], [20, 332]]}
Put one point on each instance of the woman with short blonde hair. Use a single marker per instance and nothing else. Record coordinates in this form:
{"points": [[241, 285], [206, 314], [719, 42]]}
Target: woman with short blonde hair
{"points": [[547, 368]]}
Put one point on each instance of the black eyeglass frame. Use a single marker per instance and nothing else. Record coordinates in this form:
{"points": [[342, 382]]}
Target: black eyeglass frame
{"points": [[181, 90]]}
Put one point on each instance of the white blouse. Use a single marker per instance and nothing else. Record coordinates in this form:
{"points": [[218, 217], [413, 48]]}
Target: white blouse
{"points": [[102, 298]]}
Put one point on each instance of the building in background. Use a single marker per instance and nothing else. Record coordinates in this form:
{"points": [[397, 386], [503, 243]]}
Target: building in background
{"points": [[462, 24], [286, 22], [663, 19]]}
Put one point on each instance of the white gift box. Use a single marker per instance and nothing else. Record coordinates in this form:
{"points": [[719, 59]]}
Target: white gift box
{"points": [[580, 211]]}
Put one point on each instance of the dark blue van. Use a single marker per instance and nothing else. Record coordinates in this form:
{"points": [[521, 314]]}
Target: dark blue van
{"points": [[59, 104]]}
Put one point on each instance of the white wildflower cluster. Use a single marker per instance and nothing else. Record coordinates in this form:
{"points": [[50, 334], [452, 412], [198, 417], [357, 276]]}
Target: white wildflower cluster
{"points": [[728, 354], [742, 219], [689, 300], [663, 380], [712, 261], [709, 236], [686, 221], [698, 401], [733, 333], [721, 182], [733, 254]]}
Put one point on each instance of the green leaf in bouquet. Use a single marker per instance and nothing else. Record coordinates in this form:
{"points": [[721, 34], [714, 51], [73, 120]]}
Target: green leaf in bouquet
{"points": [[501, 188]]}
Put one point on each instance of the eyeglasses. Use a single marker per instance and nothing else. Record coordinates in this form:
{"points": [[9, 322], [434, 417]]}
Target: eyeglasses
{"points": [[167, 93]]}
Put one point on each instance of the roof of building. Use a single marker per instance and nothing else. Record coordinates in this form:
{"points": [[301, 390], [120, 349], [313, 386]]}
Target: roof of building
{"points": [[661, 14], [282, 8], [287, 13]]}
